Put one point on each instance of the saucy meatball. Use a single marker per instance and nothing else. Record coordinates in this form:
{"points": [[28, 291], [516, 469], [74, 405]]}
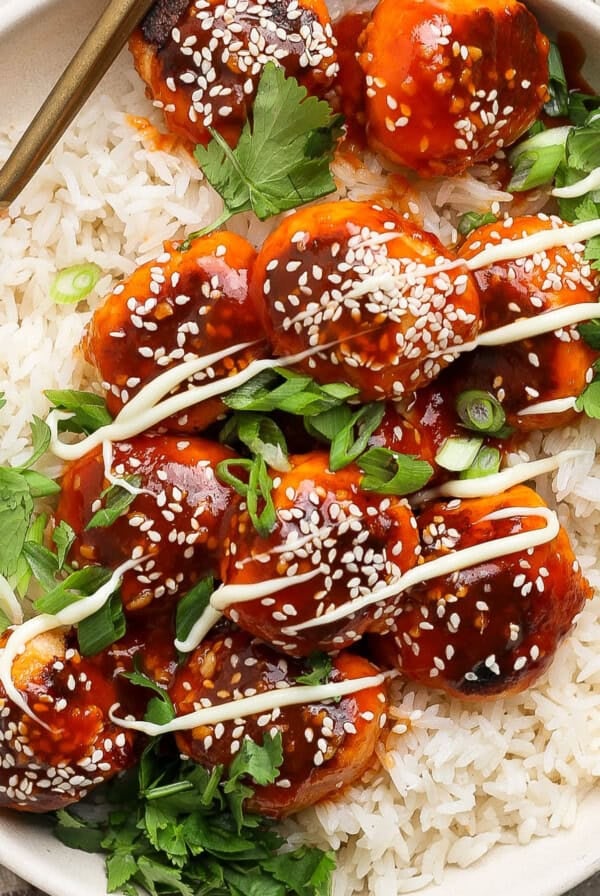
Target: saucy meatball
{"points": [[449, 82], [202, 61], [546, 368], [50, 765], [355, 279], [181, 307], [349, 540], [326, 746], [172, 525], [493, 628]]}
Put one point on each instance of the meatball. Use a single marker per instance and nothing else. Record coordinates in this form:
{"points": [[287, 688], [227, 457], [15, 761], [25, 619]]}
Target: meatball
{"points": [[181, 307], [546, 368], [50, 765], [172, 525], [356, 279], [493, 628], [326, 746], [202, 61], [449, 82], [348, 541]]}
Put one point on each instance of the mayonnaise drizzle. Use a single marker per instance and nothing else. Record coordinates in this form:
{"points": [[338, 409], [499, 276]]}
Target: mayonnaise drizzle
{"points": [[251, 706], [442, 566], [107, 457], [199, 630], [150, 409], [556, 406], [496, 482], [38, 625], [580, 187], [9, 602]]}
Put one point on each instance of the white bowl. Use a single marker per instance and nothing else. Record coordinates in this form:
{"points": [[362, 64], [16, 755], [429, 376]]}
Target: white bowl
{"points": [[37, 37]]}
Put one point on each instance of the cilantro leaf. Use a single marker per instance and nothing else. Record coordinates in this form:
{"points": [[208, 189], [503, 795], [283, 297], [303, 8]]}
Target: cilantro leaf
{"points": [[304, 871], [160, 709], [589, 400], [590, 332], [40, 440], [259, 762], [88, 410], [116, 501], [16, 508], [321, 669], [281, 160], [63, 537]]}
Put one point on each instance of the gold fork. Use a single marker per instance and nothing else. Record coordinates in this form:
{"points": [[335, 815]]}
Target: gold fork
{"points": [[94, 57]]}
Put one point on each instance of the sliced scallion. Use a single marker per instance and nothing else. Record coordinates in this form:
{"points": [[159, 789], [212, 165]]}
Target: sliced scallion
{"points": [[480, 411], [536, 160], [107, 625], [558, 104], [470, 221], [191, 607], [75, 283], [486, 463], [458, 453], [390, 473]]}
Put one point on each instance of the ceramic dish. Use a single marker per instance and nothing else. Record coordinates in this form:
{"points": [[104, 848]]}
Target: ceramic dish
{"points": [[36, 39]]}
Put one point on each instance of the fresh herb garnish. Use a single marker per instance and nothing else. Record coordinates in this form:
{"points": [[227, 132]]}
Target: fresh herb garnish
{"points": [[590, 332], [260, 435], [88, 411], [191, 607], [536, 160], [63, 537], [116, 501], [348, 430], [390, 473], [321, 666], [75, 283], [589, 400], [457, 453], [486, 463], [160, 709], [558, 104], [256, 490], [298, 394], [107, 625], [470, 221], [281, 160], [176, 828], [481, 412]]}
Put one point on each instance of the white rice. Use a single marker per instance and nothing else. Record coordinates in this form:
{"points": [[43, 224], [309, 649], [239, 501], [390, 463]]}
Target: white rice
{"points": [[452, 779]]}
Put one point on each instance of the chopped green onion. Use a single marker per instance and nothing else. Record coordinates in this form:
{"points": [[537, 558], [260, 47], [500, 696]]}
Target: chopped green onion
{"points": [[256, 490], [75, 283], [107, 625], [558, 104], [298, 394], [347, 444], [261, 435], [457, 453], [191, 607], [116, 501], [78, 585], [390, 473], [486, 463], [480, 411], [536, 160], [472, 220]]}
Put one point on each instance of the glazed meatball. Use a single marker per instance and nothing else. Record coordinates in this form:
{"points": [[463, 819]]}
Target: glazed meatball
{"points": [[493, 628], [347, 276], [181, 307], [202, 61], [546, 368], [449, 82], [50, 765], [352, 541], [325, 745], [172, 526]]}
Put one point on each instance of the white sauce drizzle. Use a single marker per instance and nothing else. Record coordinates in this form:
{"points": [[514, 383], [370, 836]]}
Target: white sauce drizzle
{"points": [[556, 406], [71, 615], [442, 566], [496, 482], [107, 457], [580, 188], [151, 410], [251, 706], [9, 602], [199, 630]]}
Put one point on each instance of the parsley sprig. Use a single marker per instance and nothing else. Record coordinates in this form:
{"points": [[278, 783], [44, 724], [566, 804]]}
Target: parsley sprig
{"points": [[175, 828], [282, 158]]}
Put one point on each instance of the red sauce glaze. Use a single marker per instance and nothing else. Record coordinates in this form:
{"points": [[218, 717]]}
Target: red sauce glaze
{"points": [[175, 527], [448, 84], [493, 628], [48, 766], [555, 365], [345, 276], [350, 81], [326, 746], [325, 524], [226, 45], [180, 307]]}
